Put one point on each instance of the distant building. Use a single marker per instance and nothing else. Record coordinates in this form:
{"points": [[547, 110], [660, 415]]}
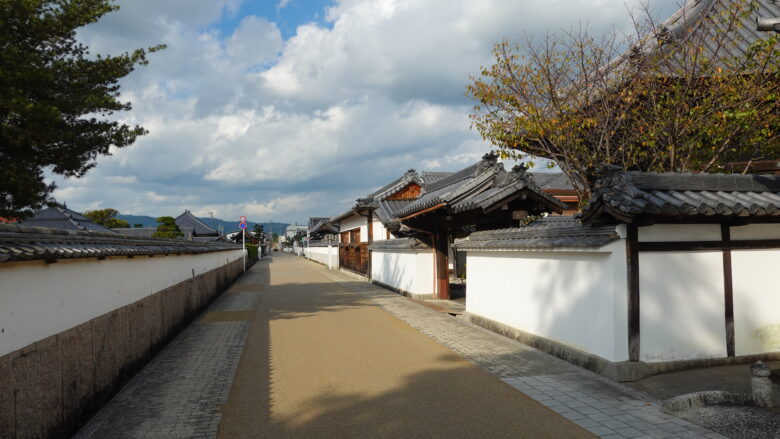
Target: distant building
{"points": [[294, 229], [195, 228], [60, 217], [191, 227], [321, 228]]}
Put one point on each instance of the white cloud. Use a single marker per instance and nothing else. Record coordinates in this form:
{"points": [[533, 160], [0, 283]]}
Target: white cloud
{"points": [[282, 4], [244, 122]]}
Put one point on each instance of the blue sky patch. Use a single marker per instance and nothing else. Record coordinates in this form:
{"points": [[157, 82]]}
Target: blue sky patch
{"points": [[287, 19]]}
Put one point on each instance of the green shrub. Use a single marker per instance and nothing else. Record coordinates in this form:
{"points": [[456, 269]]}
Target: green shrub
{"points": [[251, 251]]}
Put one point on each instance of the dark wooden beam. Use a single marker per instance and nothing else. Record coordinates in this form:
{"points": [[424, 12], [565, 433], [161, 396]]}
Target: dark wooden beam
{"points": [[423, 212], [708, 245], [440, 248], [632, 265], [728, 290]]}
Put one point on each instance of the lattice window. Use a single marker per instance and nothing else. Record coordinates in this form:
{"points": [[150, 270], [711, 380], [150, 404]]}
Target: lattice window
{"points": [[410, 192]]}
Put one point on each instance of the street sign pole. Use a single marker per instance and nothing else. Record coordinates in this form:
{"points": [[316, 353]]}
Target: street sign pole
{"points": [[242, 226]]}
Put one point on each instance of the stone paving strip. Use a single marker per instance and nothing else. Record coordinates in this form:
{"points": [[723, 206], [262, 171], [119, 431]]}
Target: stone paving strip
{"points": [[179, 393], [603, 407]]}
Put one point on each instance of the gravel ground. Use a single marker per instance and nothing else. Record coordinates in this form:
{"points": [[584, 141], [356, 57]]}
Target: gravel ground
{"points": [[737, 422]]}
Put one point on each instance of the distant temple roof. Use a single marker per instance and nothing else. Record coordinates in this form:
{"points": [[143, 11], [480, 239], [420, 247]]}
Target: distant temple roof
{"points": [[187, 219], [60, 217]]}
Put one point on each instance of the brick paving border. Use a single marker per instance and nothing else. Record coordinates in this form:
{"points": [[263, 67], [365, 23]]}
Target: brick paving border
{"points": [[179, 393]]}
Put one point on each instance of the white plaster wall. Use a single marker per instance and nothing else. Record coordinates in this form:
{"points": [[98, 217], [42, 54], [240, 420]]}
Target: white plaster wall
{"points": [[379, 231], [755, 231], [756, 301], [679, 232], [38, 300], [681, 306], [354, 222], [328, 256], [574, 297], [408, 270]]}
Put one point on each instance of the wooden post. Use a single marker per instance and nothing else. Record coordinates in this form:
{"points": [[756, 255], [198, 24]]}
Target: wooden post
{"points": [[440, 242], [632, 263], [728, 290], [370, 221]]}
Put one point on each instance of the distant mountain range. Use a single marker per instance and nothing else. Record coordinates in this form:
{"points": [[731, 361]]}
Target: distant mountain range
{"points": [[229, 226]]}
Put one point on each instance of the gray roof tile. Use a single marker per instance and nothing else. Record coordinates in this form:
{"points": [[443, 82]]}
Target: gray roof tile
{"points": [[60, 217], [622, 196], [187, 219], [398, 244], [546, 233], [19, 243], [552, 181], [479, 187]]}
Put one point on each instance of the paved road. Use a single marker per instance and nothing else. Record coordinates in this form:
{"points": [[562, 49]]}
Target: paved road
{"points": [[324, 361], [295, 350]]}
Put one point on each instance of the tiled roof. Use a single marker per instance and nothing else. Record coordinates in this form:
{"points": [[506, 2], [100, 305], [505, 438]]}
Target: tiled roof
{"points": [[19, 243], [370, 200], [478, 187], [552, 181], [60, 217], [624, 196], [707, 17], [387, 211], [699, 21], [322, 225], [136, 232], [187, 219], [398, 244], [433, 177], [546, 233], [315, 220]]}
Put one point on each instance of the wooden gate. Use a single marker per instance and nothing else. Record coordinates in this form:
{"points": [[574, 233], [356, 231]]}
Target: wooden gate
{"points": [[354, 257]]}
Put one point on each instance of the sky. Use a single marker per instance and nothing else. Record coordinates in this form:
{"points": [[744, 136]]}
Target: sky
{"points": [[285, 109]]}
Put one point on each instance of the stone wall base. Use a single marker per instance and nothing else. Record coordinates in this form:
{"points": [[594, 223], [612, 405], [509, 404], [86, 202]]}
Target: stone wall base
{"points": [[403, 292], [622, 371], [52, 387]]}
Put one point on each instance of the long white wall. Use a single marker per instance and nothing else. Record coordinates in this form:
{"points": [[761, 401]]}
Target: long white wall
{"points": [[575, 297], [682, 303], [328, 256], [407, 270], [38, 300], [580, 297]]}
